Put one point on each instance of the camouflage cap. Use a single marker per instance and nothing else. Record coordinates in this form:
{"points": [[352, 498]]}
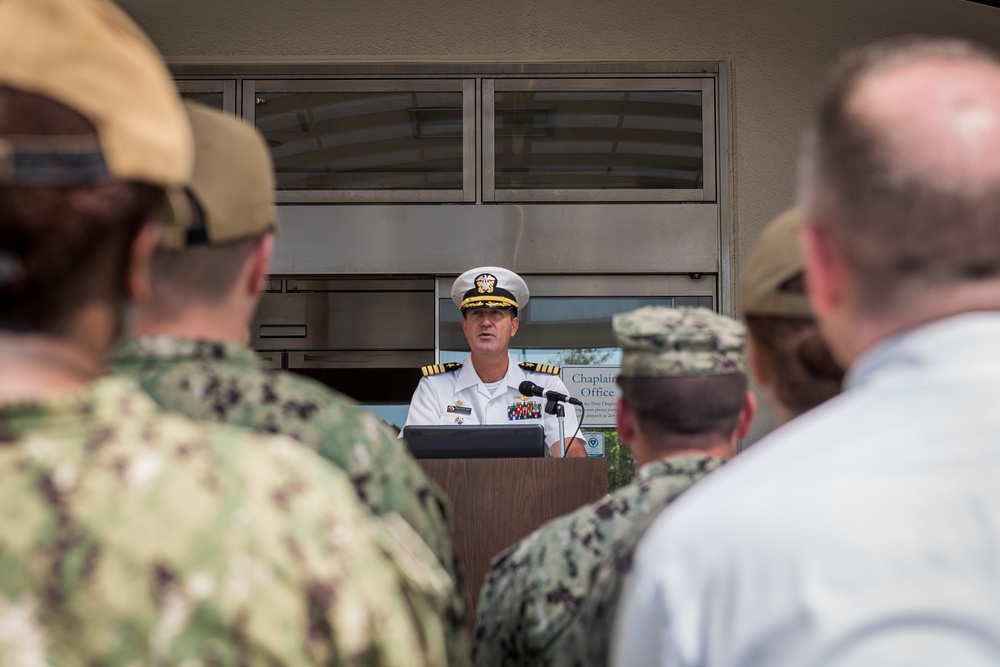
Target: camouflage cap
{"points": [[769, 285], [660, 342]]}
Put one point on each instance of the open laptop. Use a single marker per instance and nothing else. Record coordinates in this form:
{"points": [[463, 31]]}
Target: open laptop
{"points": [[476, 442]]}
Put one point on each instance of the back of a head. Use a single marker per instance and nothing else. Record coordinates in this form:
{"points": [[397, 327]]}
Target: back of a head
{"points": [[902, 168], [91, 136], [232, 195], [683, 371], [800, 369]]}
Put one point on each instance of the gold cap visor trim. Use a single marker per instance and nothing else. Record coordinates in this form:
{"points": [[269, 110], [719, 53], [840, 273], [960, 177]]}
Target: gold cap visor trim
{"points": [[488, 302]]}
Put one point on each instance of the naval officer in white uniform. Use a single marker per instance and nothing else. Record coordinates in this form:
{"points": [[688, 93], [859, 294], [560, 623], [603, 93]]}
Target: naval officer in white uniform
{"points": [[484, 388]]}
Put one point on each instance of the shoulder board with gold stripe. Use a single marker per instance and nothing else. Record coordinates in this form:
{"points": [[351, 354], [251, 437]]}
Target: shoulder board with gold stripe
{"points": [[539, 368], [437, 369]]}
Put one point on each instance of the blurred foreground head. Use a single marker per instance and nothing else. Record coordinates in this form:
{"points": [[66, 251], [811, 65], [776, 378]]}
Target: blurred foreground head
{"points": [[94, 145], [787, 355], [207, 278], [901, 190]]}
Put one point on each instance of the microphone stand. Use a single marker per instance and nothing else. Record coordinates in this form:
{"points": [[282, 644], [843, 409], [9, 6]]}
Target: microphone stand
{"points": [[553, 407]]}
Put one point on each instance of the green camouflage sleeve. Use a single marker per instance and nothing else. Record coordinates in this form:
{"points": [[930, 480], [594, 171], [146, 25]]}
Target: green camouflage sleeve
{"points": [[586, 642], [158, 541], [536, 590], [214, 381]]}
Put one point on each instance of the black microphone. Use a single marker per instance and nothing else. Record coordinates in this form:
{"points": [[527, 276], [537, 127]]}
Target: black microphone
{"points": [[531, 389]]}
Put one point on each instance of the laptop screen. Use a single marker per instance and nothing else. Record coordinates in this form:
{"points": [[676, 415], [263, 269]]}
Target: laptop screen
{"points": [[476, 442]]}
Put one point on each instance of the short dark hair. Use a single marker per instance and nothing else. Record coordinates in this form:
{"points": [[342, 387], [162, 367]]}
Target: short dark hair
{"points": [[900, 226], [685, 406], [63, 247], [204, 273]]}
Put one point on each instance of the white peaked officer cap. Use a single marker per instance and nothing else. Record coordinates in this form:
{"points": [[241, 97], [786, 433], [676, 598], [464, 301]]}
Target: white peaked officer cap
{"points": [[489, 287]]}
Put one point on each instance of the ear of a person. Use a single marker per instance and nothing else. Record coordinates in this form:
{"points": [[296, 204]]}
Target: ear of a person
{"points": [[825, 272], [260, 262], [625, 422], [140, 269], [746, 415]]}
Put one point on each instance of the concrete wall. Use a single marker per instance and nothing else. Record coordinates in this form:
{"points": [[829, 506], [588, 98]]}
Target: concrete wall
{"points": [[778, 51]]}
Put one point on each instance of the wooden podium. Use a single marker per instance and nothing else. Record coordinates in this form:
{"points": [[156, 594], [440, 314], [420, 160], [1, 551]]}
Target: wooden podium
{"points": [[497, 502]]}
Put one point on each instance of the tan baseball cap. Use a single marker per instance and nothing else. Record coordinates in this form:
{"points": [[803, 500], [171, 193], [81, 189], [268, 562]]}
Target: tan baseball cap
{"points": [[767, 286], [232, 183], [90, 56]]}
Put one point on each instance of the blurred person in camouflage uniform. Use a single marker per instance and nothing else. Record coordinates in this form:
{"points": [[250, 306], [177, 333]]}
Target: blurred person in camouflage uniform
{"points": [[130, 536], [684, 405], [796, 372], [188, 349]]}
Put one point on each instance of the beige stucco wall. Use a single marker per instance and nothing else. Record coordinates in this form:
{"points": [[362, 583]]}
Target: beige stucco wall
{"points": [[777, 49]]}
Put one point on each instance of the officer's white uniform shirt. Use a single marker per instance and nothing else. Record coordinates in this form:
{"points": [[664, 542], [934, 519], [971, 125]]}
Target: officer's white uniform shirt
{"points": [[461, 398]]}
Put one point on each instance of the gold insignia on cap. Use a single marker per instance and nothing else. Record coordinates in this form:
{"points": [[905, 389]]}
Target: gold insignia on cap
{"points": [[486, 282]]}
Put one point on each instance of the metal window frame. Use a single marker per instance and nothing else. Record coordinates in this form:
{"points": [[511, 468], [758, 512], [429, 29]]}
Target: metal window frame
{"points": [[595, 286], [610, 285], [706, 86], [334, 224], [225, 86], [252, 87]]}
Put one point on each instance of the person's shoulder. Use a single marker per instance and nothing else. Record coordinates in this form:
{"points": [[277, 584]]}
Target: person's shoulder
{"points": [[770, 485], [544, 369], [546, 376], [228, 500], [301, 399], [533, 588], [435, 370], [168, 429], [568, 536], [669, 476]]}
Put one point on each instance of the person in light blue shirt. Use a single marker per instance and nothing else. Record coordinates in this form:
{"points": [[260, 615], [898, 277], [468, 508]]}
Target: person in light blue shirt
{"points": [[867, 531]]}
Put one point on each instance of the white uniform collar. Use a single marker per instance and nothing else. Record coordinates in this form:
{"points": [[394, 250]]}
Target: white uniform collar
{"points": [[467, 377]]}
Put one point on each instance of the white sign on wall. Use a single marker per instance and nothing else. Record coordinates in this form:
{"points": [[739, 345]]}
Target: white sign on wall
{"points": [[595, 387], [594, 443]]}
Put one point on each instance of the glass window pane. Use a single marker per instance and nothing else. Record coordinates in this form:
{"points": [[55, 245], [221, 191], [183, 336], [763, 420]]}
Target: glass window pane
{"points": [[560, 330], [214, 100], [598, 139], [364, 140]]}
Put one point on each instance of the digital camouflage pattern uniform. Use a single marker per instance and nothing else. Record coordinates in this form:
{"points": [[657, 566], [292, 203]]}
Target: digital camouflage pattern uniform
{"points": [[224, 382], [539, 594], [679, 342], [536, 589], [130, 536], [586, 642]]}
